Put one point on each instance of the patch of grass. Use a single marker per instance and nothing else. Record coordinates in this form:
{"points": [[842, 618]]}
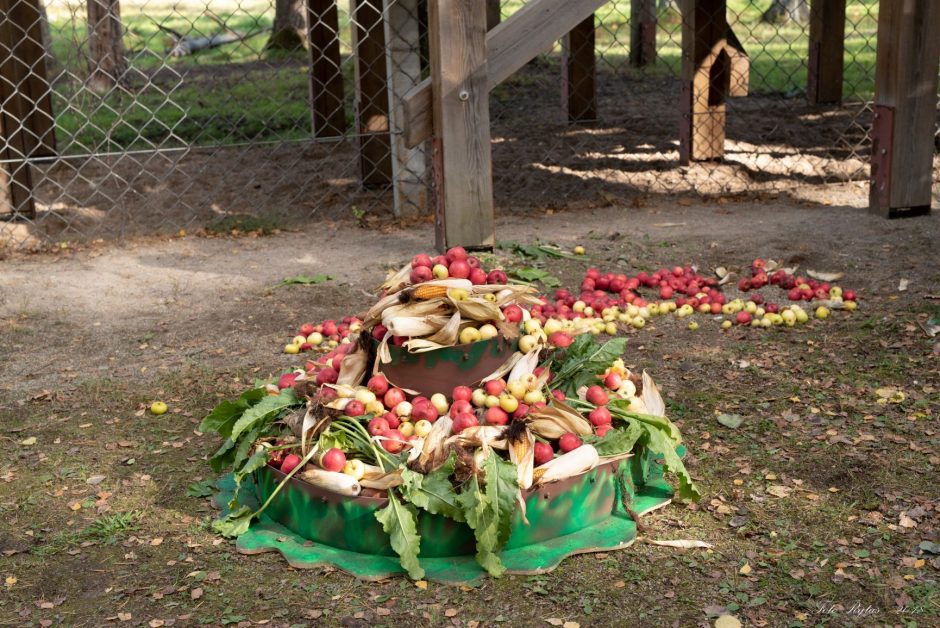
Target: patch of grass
{"points": [[105, 530]]}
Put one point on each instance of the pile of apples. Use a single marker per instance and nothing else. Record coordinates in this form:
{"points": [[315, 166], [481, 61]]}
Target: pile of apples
{"points": [[327, 334], [333, 459], [455, 264]]}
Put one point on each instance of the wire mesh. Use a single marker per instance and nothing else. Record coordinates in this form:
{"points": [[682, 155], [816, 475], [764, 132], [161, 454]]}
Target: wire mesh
{"points": [[150, 116]]}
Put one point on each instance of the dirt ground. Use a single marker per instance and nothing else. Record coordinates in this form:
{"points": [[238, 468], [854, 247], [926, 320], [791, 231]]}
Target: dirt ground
{"points": [[822, 506]]}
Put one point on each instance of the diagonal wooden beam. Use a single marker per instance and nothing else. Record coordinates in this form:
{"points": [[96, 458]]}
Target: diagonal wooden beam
{"points": [[510, 45]]}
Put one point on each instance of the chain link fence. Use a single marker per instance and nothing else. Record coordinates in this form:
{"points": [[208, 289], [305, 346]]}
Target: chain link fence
{"points": [[151, 116]]}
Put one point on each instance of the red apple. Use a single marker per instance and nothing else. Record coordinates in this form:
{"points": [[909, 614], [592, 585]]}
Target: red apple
{"points": [[327, 376], [377, 426], [613, 380], [569, 442], [462, 393], [392, 419], [596, 395], [463, 421], [392, 441], [543, 453], [497, 277], [306, 329], [743, 318], [420, 275], [456, 253], [333, 459], [460, 406], [290, 463], [459, 269], [513, 313], [495, 387], [521, 411], [477, 276], [287, 379], [421, 260], [496, 416], [354, 408], [424, 411], [600, 416], [393, 397], [560, 339], [378, 384]]}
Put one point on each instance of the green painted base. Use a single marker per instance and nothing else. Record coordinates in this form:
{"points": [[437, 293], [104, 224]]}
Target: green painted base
{"points": [[616, 531]]}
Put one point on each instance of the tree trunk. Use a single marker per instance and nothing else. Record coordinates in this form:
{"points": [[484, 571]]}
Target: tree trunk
{"points": [[106, 61], [782, 11], [289, 31]]}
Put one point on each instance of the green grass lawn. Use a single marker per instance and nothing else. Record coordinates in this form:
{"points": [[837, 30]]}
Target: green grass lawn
{"points": [[241, 93]]}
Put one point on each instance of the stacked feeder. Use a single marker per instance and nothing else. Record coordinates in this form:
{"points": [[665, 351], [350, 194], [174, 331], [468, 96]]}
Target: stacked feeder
{"points": [[447, 435]]}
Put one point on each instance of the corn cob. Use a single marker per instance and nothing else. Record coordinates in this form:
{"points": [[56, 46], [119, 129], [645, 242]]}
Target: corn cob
{"points": [[575, 462], [557, 419], [423, 292], [378, 479], [336, 482], [522, 454], [432, 452]]}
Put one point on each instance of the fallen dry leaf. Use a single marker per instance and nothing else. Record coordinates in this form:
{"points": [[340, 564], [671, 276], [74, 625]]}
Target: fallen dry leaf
{"points": [[727, 621], [196, 593], [421, 584], [682, 544], [778, 490], [450, 612], [28, 441], [745, 569]]}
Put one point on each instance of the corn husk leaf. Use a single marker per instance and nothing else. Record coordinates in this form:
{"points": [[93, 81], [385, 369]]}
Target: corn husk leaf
{"points": [[381, 480], [446, 336], [651, 398], [331, 481], [438, 306], [823, 276], [575, 462], [522, 454], [505, 368], [353, 367], [375, 313], [415, 326], [396, 280], [480, 436], [526, 365], [477, 309], [382, 354], [432, 452], [556, 419]]}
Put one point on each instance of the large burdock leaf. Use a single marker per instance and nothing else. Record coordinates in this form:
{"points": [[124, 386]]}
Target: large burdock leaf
{"points": [[433, 492], [269, 406], [399, 522], [489, 512]]}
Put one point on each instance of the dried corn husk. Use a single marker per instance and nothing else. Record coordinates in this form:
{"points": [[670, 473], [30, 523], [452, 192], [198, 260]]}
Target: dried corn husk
{"points": [[379, 479], [339, 403], [526, 365], [446, 336], [330, 480], [415, 326], [417, 308], [374, 315], [557, 419], [522, 454], [575, 462], [432, 451], [382, 354], [397, 280], [352, 368], [522, 295], [651, 398], [477, 309], [345, 391], [480, 436], [506, 367]]}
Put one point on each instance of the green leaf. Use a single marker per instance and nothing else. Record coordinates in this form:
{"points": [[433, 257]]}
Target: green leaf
{"points": [[205, 488], [400, 522], [235, 523], [257, 460], [732, 421], [617, 440], [584, 360], [224, 456], [489, 513], [535, 274], [267, 407], [245, 444], [306, 280], [660, 443], [433, 492]]}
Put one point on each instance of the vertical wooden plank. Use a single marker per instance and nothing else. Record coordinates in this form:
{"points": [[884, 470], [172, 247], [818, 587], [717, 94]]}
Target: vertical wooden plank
{"points": [[403, 68], [826, 51], [326, 75], [908, 58], [368, 42], [106, 59], [462, 156], [493, 14], [579, 70], [706, 79], [17, 143], [642, 32]]}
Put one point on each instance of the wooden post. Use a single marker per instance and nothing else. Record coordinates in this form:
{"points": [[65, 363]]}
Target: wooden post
{"points": [[27, 125], [403, 68], [826, 50], [578, 78], [706, 80], [905, 107], [642, 32], [461, 121], [106, 59], [326, 74], [368, 43], [493, 14]]}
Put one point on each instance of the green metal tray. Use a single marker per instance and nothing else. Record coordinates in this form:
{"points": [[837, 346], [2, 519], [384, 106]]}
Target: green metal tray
{"points": [[311, 528]]}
